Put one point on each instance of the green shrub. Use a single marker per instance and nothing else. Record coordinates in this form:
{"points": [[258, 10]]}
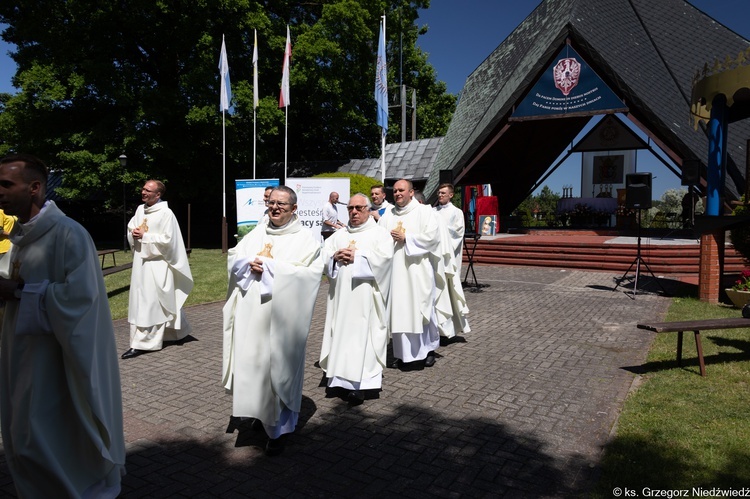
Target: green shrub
{"points": [[357, 183]]}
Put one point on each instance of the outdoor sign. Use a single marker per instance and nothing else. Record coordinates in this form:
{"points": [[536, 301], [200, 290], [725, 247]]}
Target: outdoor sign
{"points": [[250, 205], [569, 87], [312, 195]]}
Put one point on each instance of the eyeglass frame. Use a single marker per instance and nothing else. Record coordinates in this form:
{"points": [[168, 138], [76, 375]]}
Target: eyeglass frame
{"points": [[271, 204], [360, 208]]}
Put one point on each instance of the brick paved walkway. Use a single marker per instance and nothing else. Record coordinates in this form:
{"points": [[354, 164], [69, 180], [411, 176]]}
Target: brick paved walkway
{"points": [[521, 408]]}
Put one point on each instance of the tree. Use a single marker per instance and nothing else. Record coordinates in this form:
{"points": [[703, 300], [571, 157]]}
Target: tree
{"points": [[98, 79], [543, 204]]}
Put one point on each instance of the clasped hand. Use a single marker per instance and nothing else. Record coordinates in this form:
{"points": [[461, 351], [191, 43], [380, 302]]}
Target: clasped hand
{"points": [[256, 266], [344, 256]]}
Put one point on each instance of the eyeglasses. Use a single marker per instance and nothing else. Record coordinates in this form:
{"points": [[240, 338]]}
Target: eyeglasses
{"points": [[359, 208], [271, 204]]}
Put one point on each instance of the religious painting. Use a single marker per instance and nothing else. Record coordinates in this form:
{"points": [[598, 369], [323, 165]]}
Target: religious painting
{"points": [[488, 224], [608, 169]]}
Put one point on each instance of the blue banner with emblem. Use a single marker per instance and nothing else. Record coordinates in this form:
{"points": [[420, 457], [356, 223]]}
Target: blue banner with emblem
{"points": [[568, 87]]}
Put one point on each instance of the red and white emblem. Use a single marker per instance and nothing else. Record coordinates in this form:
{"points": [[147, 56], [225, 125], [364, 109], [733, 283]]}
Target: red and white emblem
{"points": [[566, 73]]}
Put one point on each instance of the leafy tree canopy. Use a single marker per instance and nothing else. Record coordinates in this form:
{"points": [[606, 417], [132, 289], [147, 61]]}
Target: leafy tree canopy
{"points": [[98, 78]]}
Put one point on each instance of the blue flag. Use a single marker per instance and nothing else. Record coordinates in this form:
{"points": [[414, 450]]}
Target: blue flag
{"points": [[381, 81]]}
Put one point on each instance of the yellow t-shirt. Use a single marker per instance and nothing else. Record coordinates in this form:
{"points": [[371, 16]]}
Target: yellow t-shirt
{"points": [[7, 222]]}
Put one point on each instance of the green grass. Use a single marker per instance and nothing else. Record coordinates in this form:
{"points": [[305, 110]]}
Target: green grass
{"points": [[209, 268], [679, 430]]}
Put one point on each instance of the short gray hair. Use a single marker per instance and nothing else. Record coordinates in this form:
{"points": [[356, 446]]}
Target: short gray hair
{"points": [[366, 198], [288, 190]]}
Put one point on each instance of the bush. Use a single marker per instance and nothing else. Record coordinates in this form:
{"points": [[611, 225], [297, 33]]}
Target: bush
{"points": [[357, 183]]}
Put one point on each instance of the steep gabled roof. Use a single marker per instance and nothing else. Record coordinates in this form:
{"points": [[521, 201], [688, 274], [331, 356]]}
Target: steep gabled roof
{"points": [[646, 51], [412, 160]]}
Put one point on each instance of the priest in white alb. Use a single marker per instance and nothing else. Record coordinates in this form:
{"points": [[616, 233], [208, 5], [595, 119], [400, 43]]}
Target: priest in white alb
{"points": [[60, 396], [274, 276], [450, 304], [454, 221], [355, 337], [161, 279], [416, 237]]}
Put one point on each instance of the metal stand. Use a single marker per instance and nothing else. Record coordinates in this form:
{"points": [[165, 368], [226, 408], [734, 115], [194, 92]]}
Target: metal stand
{"points": [[637, 262], [475, 287]]}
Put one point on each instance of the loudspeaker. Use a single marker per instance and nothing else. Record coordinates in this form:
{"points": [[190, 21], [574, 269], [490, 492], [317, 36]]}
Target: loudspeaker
{"points": [[691, 172], [446, 176], [638, 191]]}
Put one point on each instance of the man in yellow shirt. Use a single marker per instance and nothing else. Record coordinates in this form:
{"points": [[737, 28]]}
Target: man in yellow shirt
{"points": [[7, 222], [6, 225]]}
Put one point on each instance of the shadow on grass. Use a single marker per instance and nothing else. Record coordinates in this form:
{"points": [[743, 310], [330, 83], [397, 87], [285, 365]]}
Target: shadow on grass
{"points": [[118, 291], [637, 463], [691, 363]]}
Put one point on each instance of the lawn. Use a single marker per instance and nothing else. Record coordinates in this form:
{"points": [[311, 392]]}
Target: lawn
{"points": [[679, 430], [209, 268]]}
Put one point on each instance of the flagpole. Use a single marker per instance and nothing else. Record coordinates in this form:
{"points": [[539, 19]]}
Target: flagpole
{"points": [[284, 96], [255, 97], [225, 99], [224, 234], [286, 131], [382, 157], [254, 143]]}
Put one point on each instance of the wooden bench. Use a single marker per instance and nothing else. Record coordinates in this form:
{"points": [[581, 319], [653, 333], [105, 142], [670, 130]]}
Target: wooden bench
{"points": [[696, 327], [114, 267], [118, 268], [104, 253]]}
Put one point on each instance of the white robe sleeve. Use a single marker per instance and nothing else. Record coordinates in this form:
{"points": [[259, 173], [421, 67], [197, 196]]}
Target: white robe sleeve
{"points": [[32, 310], [361, 268], [243, 274], [267, 277]]}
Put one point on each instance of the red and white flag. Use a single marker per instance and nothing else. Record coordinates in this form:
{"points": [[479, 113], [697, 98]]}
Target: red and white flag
{"points": [[284, 96]]}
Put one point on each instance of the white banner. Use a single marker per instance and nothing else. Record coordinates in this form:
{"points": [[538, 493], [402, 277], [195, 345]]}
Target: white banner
{"points": [[313, 193]]}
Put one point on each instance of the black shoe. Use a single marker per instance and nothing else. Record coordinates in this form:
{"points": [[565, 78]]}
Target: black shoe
{"points": [[430, 360], [234, 423], [355, 397], [132, 353], [243, 423], [256, 424], [396, 364], [275, 446]]}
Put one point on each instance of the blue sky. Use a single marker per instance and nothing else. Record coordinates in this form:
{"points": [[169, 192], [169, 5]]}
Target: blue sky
{"points": [[463, 33]]}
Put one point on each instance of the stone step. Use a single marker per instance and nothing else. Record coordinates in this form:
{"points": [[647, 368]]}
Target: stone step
{"points": [[660, 258]]}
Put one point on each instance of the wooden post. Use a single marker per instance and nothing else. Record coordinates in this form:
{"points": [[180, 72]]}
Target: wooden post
{"points": [[189, 226]]}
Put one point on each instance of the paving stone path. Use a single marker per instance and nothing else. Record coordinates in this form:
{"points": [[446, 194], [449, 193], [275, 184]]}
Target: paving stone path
{"points": [[521, 407]]}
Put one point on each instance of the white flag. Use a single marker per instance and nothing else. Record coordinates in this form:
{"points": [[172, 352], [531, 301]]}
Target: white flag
{"points": [[255, 71], [226, 91], [284, 96]]}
